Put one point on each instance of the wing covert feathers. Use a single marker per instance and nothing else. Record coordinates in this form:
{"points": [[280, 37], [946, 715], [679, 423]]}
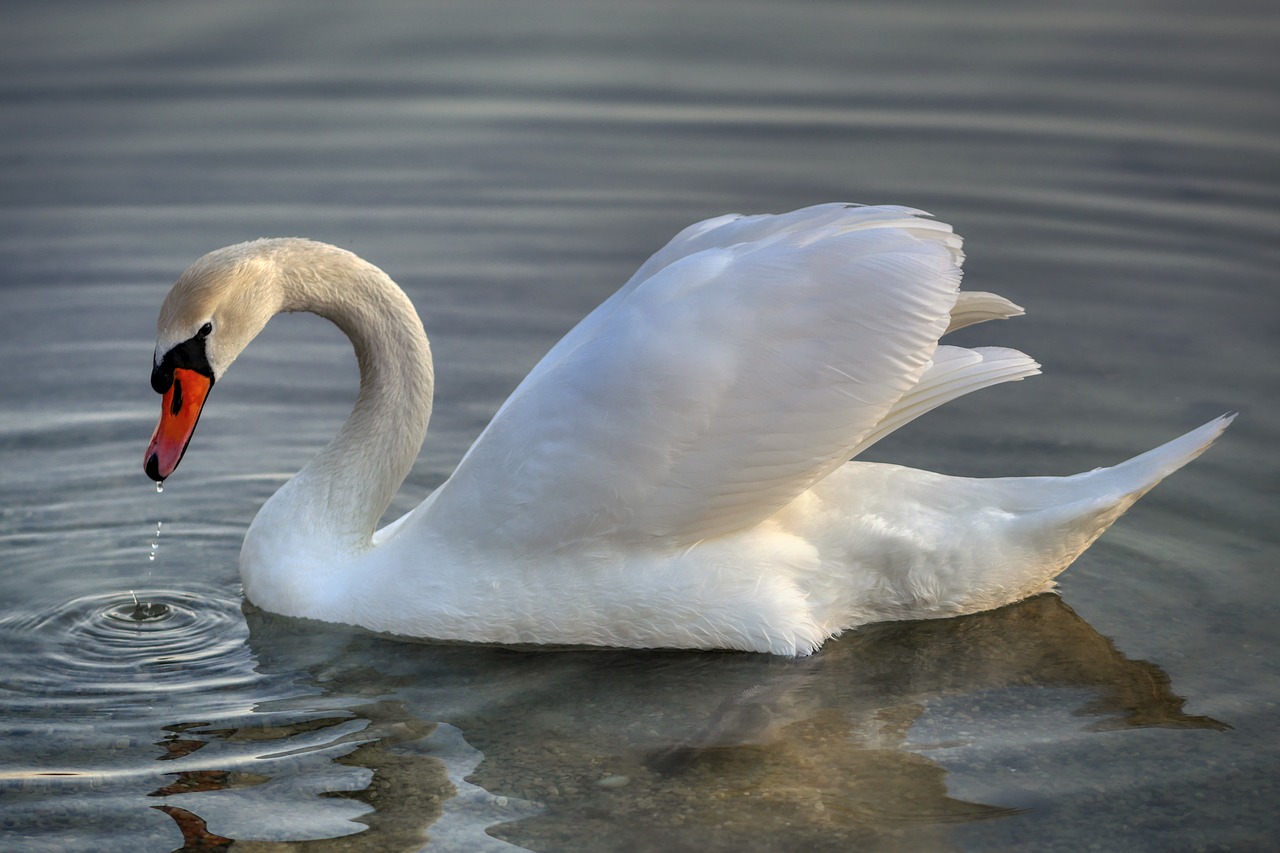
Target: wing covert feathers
{"points": [[740, 365]]}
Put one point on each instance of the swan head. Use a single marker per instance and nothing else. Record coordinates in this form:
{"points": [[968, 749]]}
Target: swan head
{"points": [[209, 316]]}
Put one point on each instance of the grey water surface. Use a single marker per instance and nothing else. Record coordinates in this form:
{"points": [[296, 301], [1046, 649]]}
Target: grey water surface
{"points": [[1113, 167]]}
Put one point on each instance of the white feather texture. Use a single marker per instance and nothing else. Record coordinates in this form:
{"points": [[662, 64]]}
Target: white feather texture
{"points": [[719, 388], [675, 472]]}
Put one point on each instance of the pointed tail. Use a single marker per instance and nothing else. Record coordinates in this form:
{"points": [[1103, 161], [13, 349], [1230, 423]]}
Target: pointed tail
{"points": [[973, 544], [1136, 476], [1078, 509]]}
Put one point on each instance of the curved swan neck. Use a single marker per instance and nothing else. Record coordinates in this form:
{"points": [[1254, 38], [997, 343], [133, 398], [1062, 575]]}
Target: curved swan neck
{"points": [[343, 492]]}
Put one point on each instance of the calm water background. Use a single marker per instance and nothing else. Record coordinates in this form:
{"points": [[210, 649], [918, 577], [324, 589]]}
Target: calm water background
{"points": [[1113, 166]]}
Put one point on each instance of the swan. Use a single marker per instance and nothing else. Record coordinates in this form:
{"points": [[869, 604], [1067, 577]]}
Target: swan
{"points": [[676, 471]]}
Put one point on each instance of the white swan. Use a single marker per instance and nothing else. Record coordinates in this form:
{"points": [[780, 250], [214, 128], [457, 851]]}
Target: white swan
{"points": [[675, 471]]}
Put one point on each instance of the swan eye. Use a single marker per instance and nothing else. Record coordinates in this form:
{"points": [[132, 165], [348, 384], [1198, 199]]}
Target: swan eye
{"points": [[205, 330]]}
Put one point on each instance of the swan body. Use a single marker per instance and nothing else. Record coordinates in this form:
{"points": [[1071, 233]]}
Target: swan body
{"points": [[675, 472]]}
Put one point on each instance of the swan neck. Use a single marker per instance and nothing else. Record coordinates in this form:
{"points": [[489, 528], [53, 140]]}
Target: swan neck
{"points": [[343, 492]]}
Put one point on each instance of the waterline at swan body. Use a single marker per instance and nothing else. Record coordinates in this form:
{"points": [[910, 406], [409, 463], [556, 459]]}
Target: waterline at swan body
{"points": [[676, 471]]}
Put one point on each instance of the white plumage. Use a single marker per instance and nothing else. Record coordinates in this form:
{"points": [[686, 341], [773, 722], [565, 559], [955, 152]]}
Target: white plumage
{"points": [[675, 471]]}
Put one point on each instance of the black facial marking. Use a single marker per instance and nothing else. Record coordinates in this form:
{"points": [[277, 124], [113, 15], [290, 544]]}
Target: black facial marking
{"points": [[190, 355], [175, 404]]}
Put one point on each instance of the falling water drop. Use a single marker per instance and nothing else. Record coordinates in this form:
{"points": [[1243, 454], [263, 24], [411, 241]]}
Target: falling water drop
{"points": [[145, 611], [155, 543], [159, 486]]}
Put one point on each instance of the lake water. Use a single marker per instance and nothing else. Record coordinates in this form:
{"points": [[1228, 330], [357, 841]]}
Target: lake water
{"points": [[1113, 167]]}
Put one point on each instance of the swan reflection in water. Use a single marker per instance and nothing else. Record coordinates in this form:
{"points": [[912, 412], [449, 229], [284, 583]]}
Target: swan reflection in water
{"points": [[474, 747]]}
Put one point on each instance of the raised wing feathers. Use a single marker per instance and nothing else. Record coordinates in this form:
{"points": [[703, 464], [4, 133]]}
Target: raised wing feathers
{"points": [[975, 306], [953, 372], [743, 363]]}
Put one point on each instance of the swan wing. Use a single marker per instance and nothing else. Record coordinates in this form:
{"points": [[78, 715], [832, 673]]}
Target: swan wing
{"points": [[742, 364], [735, 229]]}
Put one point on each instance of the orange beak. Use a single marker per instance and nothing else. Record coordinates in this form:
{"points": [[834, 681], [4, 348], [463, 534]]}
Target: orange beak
{"points": [[178, 416]]}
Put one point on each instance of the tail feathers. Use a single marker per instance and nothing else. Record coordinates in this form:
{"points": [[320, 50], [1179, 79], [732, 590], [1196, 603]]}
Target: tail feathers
{"points": [[940, 546], [1137, 475], [1085, 505], [1119, 485]]}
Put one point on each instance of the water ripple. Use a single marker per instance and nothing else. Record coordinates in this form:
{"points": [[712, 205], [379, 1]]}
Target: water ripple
{"points": [[112, 644]]}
